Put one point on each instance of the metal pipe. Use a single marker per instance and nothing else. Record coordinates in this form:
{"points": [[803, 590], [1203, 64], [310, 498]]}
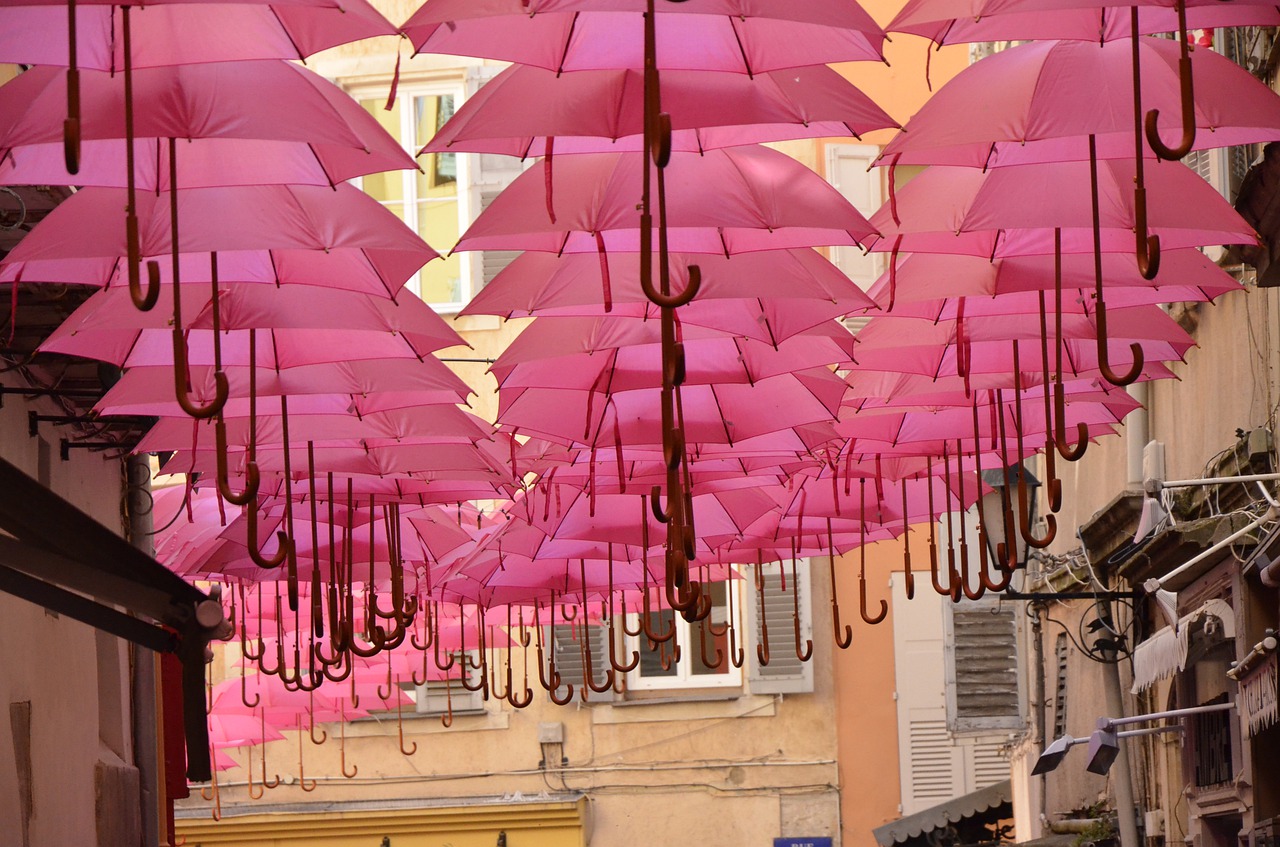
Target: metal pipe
{"points": [[1137, 428], [1154, 485], [1126, 810], [1111, 723]]}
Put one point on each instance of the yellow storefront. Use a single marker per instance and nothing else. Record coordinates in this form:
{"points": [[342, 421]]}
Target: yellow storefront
{"points": [[505, 824]]}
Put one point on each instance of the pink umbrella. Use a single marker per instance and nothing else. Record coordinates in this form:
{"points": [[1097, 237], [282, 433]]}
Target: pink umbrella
{"points": [[1042, 101], [107, 327], [714, 413], [571, 35], [540, 282], [146, 390], [950, 22], [178, 33], [726, 201], [620, 354], [528, 111], [1014, 211], [227, 112], [305, 228], [937, 280]]}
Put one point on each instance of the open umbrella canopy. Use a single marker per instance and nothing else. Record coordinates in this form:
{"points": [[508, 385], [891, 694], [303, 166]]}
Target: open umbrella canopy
{"points": [[169, 33], [936, 281], [148, 389], [541, 282], [610, 354], [574, 35], [299, 123], [1014, 211], [305, 228], [526, 111], [1039, 102], [735, 200], [966, 21]]}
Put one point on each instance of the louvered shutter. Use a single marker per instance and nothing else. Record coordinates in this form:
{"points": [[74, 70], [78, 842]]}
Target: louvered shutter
{"points": [[931, 771], [785, 673], [982, 667], [438, 697], [494, 262], [569, 664], [1060, 689]]}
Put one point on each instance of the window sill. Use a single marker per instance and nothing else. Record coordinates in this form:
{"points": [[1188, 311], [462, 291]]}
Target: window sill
{"points": [[478, 720], [695, 705]]}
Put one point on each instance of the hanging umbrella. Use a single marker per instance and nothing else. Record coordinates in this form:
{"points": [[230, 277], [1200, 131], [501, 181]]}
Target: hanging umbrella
{"points": [[1042, 101], [528, 111], [146, 390], [304, 228], [1014, 211], [179, 33], [243, 123], [726, 201], [939, 280], [593, 34], [716, 413], [951, 22], [540, 282], [609, 354]]}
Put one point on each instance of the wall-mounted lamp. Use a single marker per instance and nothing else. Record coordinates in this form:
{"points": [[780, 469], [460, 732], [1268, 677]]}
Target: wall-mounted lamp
{"points": [[502, 838], [1104, 743]]}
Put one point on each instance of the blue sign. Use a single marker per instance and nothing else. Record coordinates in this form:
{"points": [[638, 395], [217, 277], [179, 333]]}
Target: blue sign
{"points": [[802, 842]]}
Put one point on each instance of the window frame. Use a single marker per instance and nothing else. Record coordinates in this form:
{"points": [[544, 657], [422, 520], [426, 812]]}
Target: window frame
{"points": [[407, 91], [687, 636]]}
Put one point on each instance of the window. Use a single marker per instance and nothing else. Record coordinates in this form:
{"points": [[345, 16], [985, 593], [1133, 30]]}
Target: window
{"points": [[739, 621], [431, 202], [697, 656]]}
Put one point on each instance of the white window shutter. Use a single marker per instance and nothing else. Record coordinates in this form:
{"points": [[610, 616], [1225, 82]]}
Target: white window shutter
{"points": [[490, 174], [785, 673], [849, 170]]}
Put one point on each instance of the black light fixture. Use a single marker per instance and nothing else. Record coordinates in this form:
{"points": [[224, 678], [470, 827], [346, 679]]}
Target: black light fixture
{"points": [[1054, 754], [1104, 747], [502, 838], [1000, 510]]}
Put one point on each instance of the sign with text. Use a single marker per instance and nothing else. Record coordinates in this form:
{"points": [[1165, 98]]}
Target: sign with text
{"points": [[802, 842]]}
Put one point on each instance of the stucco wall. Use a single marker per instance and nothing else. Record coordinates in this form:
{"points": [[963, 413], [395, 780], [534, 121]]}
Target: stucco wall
{"points": [[77, 682]]}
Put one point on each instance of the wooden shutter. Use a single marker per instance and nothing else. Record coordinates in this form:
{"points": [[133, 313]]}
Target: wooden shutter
{"points": [[785, 673], [1060, 689], [983, 667]]}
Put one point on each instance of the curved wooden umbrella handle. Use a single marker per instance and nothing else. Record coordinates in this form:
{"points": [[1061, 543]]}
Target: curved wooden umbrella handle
{"points": [[1188, 139], [251, 538], [252, 479], [1104, 366]]}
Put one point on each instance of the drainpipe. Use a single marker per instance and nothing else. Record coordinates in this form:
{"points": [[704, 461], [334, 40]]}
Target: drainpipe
{"points": [[1137, 428], [1040, 729], [1121, 775], [146, 747]]}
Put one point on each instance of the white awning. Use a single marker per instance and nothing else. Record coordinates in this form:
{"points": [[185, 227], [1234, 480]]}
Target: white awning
{"points": [[1165, 653]]}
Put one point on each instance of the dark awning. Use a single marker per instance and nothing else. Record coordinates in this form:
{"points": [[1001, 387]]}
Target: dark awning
{"points": [[985, 806]]}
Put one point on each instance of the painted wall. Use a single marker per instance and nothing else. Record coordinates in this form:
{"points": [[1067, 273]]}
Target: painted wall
{"points": [[76, 680]]}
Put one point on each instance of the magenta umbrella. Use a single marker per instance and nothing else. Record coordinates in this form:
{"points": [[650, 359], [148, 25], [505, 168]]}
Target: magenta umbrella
{"points": [[303, 227], [572, 35], [1014, 211], [540, 282], [146, 390], [292, 124], [620, 354], [179, 33], [967, 21], [1041, 102], [726, 201], [107, 327], [528, 111], [942, 280], [715, 413]]}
